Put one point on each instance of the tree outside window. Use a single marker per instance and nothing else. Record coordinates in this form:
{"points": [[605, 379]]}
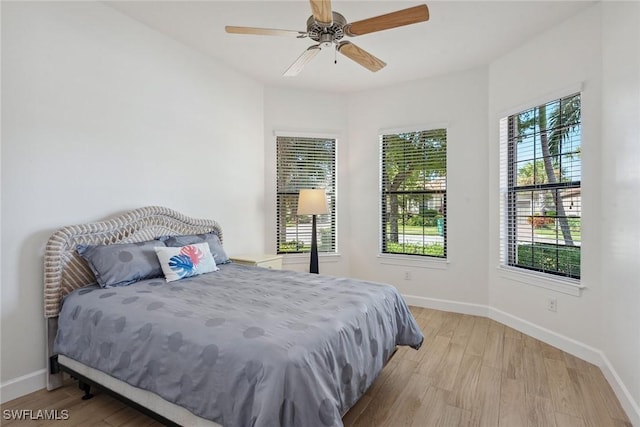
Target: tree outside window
{"points": [[542, 188], [414, 192]]}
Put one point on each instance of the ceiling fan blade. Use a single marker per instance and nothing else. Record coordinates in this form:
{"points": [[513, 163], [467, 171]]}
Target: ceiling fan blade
{"points": [[302, 60], [399, 18], [264, 31], [321, 10], [360, 56]]}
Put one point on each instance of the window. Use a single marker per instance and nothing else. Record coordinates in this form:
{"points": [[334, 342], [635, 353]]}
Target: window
{"points": [[414, 193], [304, 162], [540, 184]]}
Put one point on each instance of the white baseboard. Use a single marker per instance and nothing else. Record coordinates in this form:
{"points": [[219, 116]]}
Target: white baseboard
{"points": [[25, 384], [447, 305], [569, 345], [624, 396]]}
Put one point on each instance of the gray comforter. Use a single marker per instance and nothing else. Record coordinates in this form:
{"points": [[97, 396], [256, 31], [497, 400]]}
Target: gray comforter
{"points": [[242, 346]]}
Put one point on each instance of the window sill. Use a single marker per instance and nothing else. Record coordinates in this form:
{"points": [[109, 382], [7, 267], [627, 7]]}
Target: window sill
{"points": [[563, 285], [413, 261], [304, 258]]}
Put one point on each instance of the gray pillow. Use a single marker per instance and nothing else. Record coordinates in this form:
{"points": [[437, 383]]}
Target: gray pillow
{"points": [[122, 264], [219, 255]]}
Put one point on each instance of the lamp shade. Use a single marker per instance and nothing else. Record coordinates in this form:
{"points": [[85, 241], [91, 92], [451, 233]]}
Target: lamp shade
{"points": [[312, 202]]}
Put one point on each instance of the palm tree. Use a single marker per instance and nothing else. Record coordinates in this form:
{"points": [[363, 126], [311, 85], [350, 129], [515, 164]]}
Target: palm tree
{"points": [[555, 127]]}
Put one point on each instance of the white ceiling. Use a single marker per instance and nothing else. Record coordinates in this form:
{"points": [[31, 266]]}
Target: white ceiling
{"points": [[459, 35]]}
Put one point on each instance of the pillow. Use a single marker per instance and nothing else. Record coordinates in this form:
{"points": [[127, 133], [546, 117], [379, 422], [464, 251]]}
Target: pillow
{"points": [[219, 255], [122, 264], [186, 261]]}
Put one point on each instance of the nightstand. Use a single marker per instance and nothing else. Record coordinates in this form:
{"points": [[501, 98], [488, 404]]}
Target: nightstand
{"points": [[259, 260]]}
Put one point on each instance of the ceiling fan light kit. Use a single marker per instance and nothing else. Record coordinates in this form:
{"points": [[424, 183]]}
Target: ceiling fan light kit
{"points": [[328, 28]]}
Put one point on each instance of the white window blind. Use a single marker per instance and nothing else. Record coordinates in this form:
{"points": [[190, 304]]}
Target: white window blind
{"points": [[414, 193], [304, 162], [540, 175]]}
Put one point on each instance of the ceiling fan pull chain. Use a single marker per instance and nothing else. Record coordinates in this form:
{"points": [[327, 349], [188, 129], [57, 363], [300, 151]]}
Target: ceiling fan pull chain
{"points": [[335, 55]]}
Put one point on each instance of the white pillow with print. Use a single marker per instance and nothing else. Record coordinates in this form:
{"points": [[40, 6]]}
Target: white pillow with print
{"points": [[185, 261]]}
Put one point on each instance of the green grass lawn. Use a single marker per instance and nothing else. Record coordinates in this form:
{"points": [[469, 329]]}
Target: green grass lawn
{"points": [[416, 229], [435, 249], [576, 235]]}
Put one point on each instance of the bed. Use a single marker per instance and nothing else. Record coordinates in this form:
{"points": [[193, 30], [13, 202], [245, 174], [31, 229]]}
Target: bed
{"points": [[237, 346]]}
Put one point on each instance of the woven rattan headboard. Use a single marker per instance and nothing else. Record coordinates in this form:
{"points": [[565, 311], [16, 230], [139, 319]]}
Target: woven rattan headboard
{"points": [[65, 271]]}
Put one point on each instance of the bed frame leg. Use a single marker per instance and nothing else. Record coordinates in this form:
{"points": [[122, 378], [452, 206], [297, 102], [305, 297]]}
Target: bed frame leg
{"points": [[87, 390]]}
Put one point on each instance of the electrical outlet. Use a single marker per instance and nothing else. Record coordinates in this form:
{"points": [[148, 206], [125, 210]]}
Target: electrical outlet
{"points": [[407, 275], [552, 304]]}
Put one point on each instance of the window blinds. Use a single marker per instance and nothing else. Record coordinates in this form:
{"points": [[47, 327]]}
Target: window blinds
{"points": [[413, 183], [304, 162], [540, 175]]}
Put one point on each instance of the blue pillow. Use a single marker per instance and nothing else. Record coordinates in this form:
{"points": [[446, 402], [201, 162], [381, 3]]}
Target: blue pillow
{"points": [[215, 245], [122, 264]]}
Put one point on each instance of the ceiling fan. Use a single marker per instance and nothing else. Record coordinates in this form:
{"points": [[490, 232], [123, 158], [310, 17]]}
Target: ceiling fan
{"points": [[328, 28]]}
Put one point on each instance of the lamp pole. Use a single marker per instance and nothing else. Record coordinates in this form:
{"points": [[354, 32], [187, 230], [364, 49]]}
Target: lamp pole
{"points": [[313, 266]]}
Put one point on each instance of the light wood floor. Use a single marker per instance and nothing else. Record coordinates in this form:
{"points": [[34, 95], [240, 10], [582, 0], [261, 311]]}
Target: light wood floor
{"points": [[470, 371]]}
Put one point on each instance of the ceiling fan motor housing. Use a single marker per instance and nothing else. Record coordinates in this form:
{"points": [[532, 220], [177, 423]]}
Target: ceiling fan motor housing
{"points": [[326, 34]]}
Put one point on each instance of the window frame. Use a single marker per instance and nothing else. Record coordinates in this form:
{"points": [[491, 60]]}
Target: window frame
{"points": [[332, 198], [432, 260], [509, 236]]}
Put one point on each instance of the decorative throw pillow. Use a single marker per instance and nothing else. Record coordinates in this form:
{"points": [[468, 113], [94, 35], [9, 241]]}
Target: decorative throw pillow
{"points": [[122, 264], [186, 261], [215, 245]]}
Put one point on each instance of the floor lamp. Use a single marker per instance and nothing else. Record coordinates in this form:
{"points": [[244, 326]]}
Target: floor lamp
{"points": [[313, 202]]}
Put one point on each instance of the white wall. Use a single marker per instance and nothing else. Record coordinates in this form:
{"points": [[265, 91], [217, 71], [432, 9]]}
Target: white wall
{"points": [[620, 180], [316, 113], [599, 51], [559, 60], [459, 102], [101, 114]]}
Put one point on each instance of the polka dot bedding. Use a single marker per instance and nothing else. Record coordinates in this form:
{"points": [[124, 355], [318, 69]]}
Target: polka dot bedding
{"points": [[243, 346]]}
